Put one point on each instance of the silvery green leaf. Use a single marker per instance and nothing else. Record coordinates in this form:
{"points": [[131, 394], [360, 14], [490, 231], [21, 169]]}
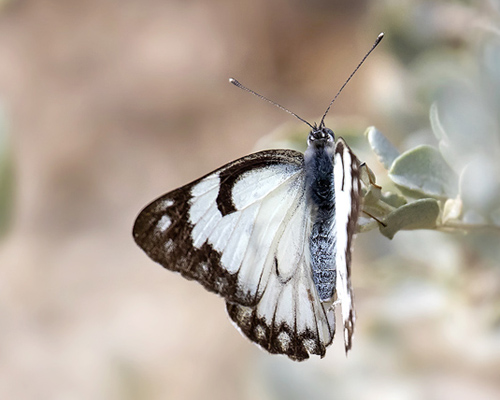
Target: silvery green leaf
{"points": [[384, 149], [394, 199], [367, 176], [437, 127], [420, 214], [423, 170]]}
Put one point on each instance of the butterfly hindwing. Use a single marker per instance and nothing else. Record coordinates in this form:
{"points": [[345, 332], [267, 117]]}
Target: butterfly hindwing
{"points": [[347, 202], [289, 317]]}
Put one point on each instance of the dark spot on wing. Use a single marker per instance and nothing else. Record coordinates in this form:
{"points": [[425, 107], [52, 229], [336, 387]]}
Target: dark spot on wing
{"points": [[310, 295], [276, 338]]}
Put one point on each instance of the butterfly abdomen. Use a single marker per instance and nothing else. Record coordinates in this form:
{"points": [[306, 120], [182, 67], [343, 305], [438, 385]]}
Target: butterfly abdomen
{"points": [[321, 192]]}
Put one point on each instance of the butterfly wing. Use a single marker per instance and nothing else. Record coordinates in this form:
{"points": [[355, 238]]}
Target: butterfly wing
{"points": [[347, 201], [242, 232], [289, 317]]}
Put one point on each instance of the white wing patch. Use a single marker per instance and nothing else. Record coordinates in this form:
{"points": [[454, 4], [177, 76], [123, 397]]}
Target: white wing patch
{"points": [[346, 175], [203, 195], [233, 252], [205, 185], [253, 186], [343, 185], [164, 223]]}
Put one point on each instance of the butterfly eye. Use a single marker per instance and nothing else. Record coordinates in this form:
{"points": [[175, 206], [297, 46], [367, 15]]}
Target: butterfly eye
{"points": [[330, 136]]}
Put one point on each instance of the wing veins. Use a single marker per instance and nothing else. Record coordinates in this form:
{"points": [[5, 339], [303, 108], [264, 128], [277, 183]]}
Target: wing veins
{"points": [[272, 191], [276, 240]]}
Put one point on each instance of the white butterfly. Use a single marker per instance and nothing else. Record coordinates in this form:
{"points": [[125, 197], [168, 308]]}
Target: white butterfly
{"points": [[271, 233]]}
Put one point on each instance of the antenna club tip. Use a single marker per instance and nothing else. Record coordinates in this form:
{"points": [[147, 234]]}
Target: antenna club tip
{"points": [[379, 38], [233, 81]]}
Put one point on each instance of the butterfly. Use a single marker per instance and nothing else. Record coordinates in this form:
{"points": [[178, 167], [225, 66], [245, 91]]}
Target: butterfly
{"points": [[271, 233]]}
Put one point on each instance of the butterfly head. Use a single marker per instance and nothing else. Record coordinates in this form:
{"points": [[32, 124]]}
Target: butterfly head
{"points": [[321, 137]]}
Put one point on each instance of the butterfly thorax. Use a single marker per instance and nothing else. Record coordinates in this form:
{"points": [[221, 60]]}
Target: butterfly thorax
{"points": [[318, 160]]}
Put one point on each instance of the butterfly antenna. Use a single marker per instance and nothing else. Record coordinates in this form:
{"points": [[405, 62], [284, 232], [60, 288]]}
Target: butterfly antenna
{"points": [[239, 85], [377, 41]]}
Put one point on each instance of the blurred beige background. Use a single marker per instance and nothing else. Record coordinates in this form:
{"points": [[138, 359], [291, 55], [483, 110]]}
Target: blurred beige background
{"points": [[108, 105]]}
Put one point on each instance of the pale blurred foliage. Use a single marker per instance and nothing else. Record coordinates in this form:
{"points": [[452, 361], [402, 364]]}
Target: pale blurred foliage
{"points": [[110, 104]]}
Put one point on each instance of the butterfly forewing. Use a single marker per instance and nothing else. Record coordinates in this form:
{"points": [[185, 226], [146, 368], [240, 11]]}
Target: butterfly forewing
{"points": [[174, 230]]}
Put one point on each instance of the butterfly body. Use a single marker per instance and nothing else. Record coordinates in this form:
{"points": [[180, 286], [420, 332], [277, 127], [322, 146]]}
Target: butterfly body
{"points": [[320, 186]]}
